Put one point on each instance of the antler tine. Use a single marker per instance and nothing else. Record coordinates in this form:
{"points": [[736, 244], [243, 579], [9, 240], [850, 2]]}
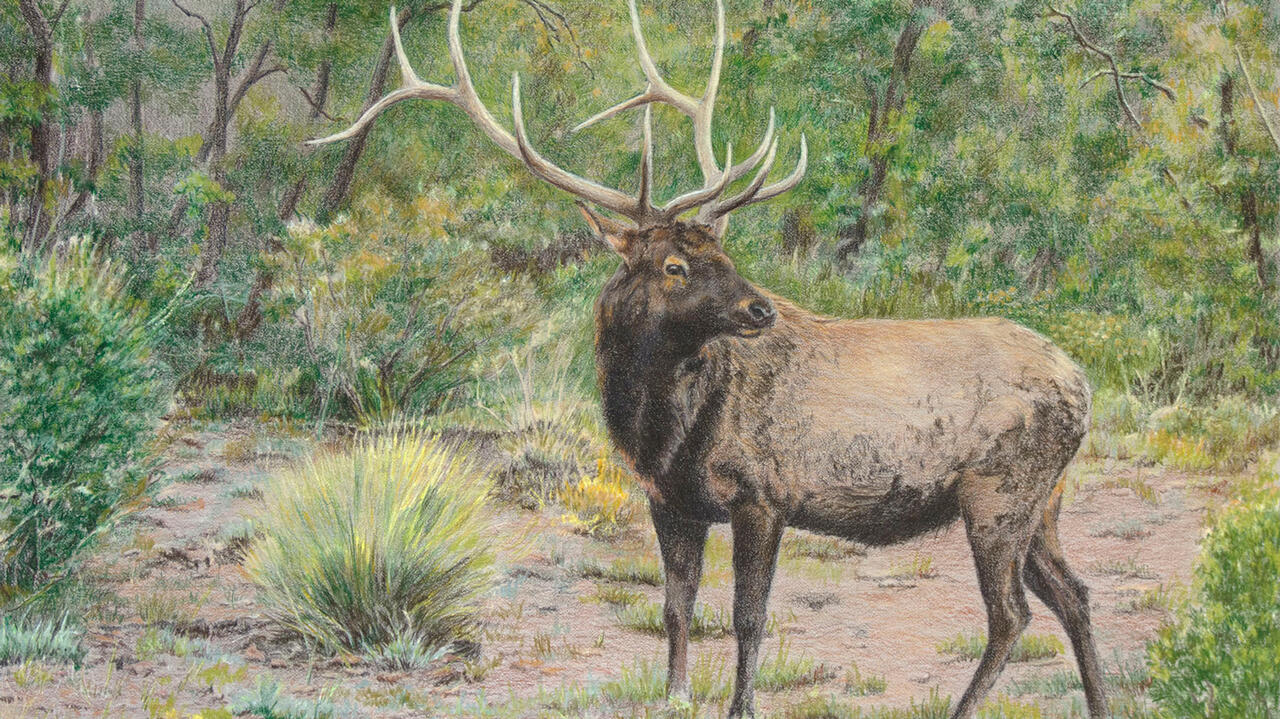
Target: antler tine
{"points": [[741, 169], [408, 76], [719, 209], [717, 58], [643, 201], [657, 85], [702, 195], [412, 88], [606, 197], [777, 188]]}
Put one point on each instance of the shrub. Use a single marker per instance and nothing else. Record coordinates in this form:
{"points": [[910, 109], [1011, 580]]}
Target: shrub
{"points": [[385, 545], [1226, 435], [599, 506], [39, 640], [548, 428], [1218, 658], [79, 399], [388, 308]]}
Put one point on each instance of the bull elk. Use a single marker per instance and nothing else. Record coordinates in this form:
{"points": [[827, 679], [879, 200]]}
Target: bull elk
{"points": [[735, 405]]}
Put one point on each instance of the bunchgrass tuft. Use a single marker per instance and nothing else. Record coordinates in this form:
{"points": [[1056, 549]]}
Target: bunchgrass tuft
{"points": [[387, 543], [406, 653], [782, 671], [628, 570], [1002, 707], [1029, 647], [863, 685], [645, 681], [601, 505], [267, 700], [39, 640], [803, 545], [646, 617], [935, 706]]}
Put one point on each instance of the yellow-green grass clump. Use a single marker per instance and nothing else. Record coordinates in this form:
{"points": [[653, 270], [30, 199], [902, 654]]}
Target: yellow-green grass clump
{"points": [[385, 546]]}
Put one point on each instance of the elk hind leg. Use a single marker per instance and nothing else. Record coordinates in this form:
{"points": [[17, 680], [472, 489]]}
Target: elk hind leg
{"points": [[681, 542], [1047, 575], [999, 525]]}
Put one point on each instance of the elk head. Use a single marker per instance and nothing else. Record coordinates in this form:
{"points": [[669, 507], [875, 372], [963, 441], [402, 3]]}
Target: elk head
{"points": [[675, 273]]}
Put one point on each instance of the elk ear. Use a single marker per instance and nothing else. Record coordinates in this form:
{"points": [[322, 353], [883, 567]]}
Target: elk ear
{"points": [[614, 233]]}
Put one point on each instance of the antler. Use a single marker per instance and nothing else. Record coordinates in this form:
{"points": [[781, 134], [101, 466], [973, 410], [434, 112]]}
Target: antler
{"points": [[700, 111], [639, 209], [463, 94]]}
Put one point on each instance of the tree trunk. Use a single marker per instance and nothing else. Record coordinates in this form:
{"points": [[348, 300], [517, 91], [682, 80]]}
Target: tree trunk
{"points": [[219, 211], [880, 138], [1248, 196], [250, 316], [37, 216], [141, 242], [340, 185]]}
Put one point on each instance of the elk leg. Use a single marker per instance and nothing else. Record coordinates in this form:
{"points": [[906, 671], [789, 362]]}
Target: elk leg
{"points": [[998, 536], [681, 542], [756, 536], [1047, 574]]}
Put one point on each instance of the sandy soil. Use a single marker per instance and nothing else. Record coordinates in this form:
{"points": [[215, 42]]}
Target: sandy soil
{"points": [[547, 629]]}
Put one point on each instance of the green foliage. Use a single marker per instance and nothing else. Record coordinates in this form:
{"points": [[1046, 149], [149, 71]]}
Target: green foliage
{"points": [[1218, 657], [1226, 435], [268, 700], [23, 640], [389, 309], [79, 398], [380, 549]]}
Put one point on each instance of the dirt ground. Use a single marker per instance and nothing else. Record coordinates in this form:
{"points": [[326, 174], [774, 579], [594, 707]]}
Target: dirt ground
{"points": [[173, 572]]}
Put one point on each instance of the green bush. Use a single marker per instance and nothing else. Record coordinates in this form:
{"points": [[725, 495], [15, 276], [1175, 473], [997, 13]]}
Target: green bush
{"points": [[387, 309], [39, 640], [1218, 658], [79, 399], [1226, 435], [379, 549]]}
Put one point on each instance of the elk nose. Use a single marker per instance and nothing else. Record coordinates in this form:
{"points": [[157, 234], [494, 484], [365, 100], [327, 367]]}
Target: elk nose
{"points": [[760, 311]]}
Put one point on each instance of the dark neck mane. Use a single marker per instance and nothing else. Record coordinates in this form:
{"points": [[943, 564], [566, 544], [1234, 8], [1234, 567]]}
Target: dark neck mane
{"points": [[660, 403]]}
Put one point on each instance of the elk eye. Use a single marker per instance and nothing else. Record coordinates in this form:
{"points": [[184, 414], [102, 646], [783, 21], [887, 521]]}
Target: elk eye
{"points": [[676, 268]]}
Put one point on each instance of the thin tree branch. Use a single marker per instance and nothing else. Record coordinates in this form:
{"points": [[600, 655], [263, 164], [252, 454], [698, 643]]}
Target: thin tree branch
{"points": [[57, 16], [208, 30], [1168, 91], [1087, 44], [1257, 102], [315, 105]]}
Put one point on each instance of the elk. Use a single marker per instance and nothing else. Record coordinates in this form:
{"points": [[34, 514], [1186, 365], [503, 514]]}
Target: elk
{"points": [[735, 405]]}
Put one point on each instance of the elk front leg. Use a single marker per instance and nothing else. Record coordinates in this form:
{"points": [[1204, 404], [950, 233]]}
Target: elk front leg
{"points": [[756, 534], [681, 542]]}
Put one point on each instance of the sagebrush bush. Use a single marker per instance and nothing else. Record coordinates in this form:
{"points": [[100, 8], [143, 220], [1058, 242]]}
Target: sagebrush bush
{"points": [[1218, 658], [79, 400], [385, 546]]}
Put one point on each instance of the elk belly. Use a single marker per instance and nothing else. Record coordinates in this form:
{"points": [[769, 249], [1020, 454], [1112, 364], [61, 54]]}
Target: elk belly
{"points": [[869, 497]]}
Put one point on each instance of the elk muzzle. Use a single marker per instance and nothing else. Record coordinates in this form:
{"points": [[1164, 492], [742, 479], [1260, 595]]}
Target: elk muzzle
{"points": [[753, 314]]}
